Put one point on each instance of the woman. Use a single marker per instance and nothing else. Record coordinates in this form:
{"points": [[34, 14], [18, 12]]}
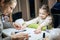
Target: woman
{"points": [[6, 8]]}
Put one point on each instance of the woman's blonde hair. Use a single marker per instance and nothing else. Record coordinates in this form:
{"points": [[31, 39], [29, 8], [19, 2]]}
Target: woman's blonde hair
{"points": [[7, 2]]}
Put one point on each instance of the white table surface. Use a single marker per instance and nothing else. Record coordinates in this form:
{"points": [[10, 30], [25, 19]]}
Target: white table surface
{"points": [[30, 31]]}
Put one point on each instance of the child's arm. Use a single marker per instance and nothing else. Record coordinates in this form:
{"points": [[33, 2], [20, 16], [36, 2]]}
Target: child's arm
{"points": [[25, 24], [31, 21], [47, 22], [18, 22]]}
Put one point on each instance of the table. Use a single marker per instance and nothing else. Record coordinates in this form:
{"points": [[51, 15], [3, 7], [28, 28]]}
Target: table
{"points": [[30, 31]]}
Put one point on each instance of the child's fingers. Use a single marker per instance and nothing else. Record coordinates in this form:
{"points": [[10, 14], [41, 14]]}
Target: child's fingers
{"points": [[37, 31], [23, 27], [16, 26]]}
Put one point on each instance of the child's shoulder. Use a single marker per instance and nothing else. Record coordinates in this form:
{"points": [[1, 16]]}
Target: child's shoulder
{"points": [[49, 17]]}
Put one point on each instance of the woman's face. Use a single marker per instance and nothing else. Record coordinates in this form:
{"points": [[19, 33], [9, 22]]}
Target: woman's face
{"points": [[42, 13], [7, 9]]}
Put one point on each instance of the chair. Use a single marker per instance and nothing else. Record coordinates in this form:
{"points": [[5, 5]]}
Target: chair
{"points": [[16, 16], [56, 14]]}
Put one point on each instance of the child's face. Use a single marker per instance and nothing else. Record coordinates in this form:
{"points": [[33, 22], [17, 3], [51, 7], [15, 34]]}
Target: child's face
{"points": [[42, 13]]}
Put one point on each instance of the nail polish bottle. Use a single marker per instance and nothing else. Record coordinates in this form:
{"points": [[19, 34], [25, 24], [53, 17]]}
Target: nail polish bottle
{"points": [[47, 30], [43, 36]]}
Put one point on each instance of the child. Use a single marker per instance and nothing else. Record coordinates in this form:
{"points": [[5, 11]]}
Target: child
{"points": [[44, 19]]}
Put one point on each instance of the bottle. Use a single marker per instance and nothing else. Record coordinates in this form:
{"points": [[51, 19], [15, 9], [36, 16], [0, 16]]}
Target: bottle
{"points": [[47, 30], [43, 36]]}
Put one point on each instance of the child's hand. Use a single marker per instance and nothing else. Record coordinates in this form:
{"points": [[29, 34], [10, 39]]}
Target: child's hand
{"points": [[37, 31], [23, 27], [17, 26]]}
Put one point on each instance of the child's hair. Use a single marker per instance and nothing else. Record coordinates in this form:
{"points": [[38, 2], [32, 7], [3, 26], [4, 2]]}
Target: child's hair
{"points": [[46, 8]]}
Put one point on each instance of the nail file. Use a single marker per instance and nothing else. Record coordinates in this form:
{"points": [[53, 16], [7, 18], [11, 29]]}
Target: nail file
{"points": [[20, 31]]}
